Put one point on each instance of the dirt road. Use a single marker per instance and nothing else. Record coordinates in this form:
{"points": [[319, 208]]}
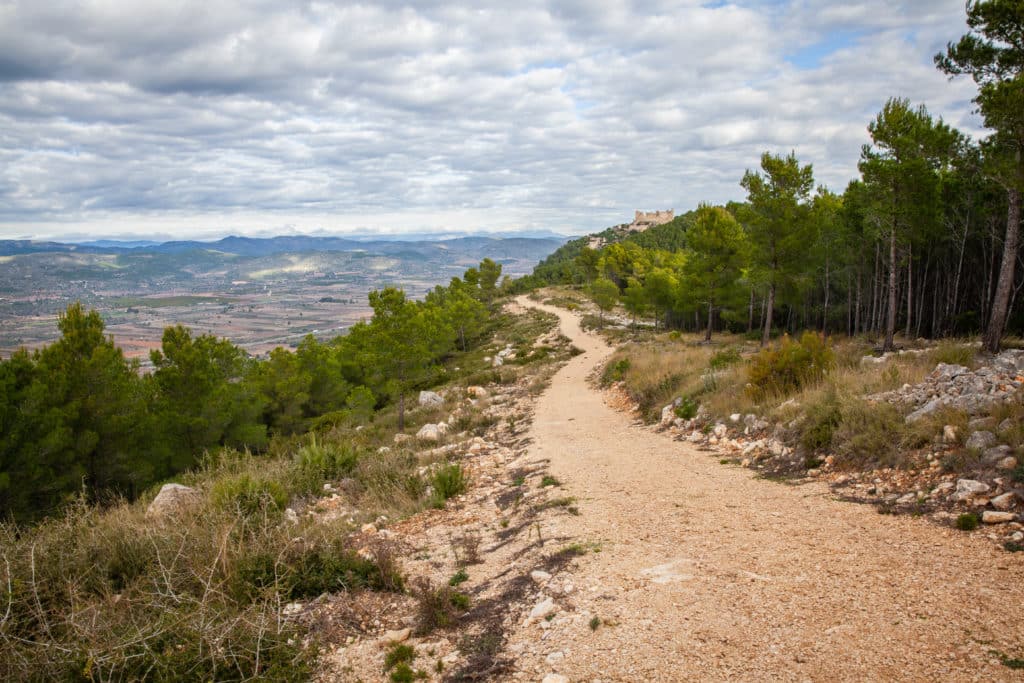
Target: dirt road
{"points": [[705, 572]]}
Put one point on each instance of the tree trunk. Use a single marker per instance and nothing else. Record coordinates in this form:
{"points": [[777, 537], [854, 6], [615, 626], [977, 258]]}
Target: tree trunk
{"points": [[768, 308], [824, 321], [1000, 304], [874, 292], [856, 315], [890, 320], [401, 411], [750, 312], [711, 309], [910, 291]]}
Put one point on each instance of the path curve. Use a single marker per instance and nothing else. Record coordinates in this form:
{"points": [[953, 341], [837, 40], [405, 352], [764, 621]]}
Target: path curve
{"points": [[708, 573]]}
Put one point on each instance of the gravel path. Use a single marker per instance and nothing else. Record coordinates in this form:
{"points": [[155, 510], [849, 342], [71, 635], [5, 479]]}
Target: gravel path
{"points": [[706, 572]]}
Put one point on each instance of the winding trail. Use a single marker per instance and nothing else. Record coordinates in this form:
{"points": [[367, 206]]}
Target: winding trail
{"points": [[706, 572]]}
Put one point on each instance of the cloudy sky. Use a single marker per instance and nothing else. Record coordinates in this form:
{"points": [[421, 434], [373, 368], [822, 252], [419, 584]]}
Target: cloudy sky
{"points": [[275, 116]]}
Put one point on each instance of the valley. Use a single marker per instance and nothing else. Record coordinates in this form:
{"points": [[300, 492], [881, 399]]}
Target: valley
{"points": [[259, 293]]}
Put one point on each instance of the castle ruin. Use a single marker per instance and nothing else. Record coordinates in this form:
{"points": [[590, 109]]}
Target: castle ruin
{"points": [[648, 219]]}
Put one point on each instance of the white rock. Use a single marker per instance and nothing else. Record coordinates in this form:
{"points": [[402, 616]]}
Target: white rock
{"points": [[907, 499], [402, 438], [994, 517], [1007, 463], [555, 658], [368, 528], [542, 609], [554, 678], [721, 430], [399, 636], [735, 417], [668, 413], [949, 434], [497, 362], [540, 576], [291, 516], [291, 609], [1005, 501], [476, 391], [1018, 536], [429, 432], [969, 488], [171, 500], [943, 487], [430, 398], [981, 440]]}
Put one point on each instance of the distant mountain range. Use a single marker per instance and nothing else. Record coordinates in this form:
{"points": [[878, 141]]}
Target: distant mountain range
{"points": [[497, 247]]}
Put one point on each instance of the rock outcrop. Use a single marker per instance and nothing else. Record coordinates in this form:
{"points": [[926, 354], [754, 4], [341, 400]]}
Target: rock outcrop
{"points": [[958, 387], [172, 500]]}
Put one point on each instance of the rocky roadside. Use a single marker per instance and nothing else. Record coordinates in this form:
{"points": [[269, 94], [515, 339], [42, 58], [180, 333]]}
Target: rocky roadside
{"points": [[494, 545], [990, 492]]}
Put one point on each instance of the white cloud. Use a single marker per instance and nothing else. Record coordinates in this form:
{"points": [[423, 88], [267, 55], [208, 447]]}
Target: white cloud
{"points": [[199, 117]]}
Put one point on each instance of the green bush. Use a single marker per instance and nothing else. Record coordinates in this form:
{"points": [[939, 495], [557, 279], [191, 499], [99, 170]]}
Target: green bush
{"points": [[790, 366], [821, 422], [249, 494], [968, 521], [724, 358], [320, 462], [615, 371], [687, 408], [398, 654], [868, 435], [449, 481], [953, 353]]}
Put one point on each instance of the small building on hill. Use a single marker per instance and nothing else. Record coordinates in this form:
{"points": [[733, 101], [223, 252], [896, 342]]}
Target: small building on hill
{"points": [[648, 219]]}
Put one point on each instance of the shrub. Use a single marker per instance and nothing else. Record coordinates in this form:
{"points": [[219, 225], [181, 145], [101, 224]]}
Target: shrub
{"points": [[250, 495], [724, 358], [615, 371], [687, 408], [437, 606], [868, 435], [789, 366], [449, 481], [548, 480], [398, 654], [953, 353], [319, 462], [458, 578], [822, 420], [968, 521]]}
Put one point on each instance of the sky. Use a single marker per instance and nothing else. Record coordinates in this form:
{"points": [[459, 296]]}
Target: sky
{"points": [[201, 119]]}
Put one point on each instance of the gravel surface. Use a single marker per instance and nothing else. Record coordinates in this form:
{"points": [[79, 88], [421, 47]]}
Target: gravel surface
{"points": [[705, 572]]}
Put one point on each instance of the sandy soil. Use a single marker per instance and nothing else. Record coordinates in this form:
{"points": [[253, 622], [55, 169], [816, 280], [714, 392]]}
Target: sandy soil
{"points": [[706, 572]]}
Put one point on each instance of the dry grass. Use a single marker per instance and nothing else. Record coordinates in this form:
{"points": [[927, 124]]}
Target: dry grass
{"points": [[658, 371]]}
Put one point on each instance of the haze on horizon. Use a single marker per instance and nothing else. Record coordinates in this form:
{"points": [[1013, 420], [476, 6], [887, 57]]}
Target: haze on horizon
{"points": [[198, 120]]}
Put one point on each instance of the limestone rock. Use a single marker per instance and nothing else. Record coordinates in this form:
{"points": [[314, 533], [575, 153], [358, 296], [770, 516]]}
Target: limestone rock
{"points": [[555, 678], [1004, 501], [949, 434], [171, 500], [969, 488], [1007, 463], [542, 609], [431, 399], [540, 576], [431, 432], [399, 636], [995, 517], [981, 440], [668, 413], [476, 391]]}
